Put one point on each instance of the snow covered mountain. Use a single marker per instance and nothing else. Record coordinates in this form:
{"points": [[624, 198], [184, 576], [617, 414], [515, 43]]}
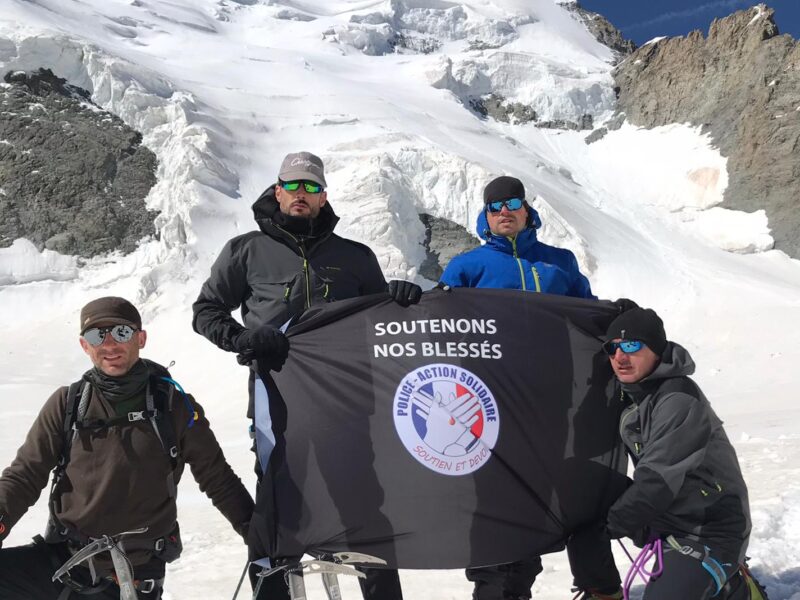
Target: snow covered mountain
{"points": [[393, 95]]}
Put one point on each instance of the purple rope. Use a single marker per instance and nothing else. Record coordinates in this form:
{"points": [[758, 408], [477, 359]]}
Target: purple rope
{"points": [[639, 566]]}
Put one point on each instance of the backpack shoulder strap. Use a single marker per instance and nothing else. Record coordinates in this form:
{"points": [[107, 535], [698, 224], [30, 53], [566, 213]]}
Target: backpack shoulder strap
{"points": [[71, 416], [159, 406], [75, 394]]}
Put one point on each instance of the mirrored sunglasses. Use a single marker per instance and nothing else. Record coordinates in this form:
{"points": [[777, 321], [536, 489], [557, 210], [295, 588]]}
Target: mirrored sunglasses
{"points": [[120, 333], [309, 186], [509, 203], [627, 346]]}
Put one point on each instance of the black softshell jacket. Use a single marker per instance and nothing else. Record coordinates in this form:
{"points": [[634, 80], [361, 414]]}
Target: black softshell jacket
{"points": [[687, 480], [275, 275]]}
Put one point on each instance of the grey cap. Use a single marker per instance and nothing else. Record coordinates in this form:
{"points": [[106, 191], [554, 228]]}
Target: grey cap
{"points": [[302, 165]]}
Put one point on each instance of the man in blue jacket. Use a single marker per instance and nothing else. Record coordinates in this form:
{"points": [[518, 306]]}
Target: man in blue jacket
{"points": [[513, 258]]}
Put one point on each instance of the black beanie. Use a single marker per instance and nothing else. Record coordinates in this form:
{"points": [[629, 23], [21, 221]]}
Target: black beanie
{"points": [[641, 324], [503, 188]]}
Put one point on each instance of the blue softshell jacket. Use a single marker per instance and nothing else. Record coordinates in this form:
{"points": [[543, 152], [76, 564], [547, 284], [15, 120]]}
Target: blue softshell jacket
{"points": [[522, 263]]}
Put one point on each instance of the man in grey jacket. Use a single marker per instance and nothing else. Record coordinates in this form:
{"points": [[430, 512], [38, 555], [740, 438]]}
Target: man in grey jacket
{"points": [[292, 262], [688, 493]]}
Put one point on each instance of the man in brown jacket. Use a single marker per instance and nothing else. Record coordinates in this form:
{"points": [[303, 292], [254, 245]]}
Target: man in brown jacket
{"points": [[117, 443]]}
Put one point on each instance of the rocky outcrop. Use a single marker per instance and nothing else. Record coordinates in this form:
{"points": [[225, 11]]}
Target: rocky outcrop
{"points": [[443, 240], [586, 122], [602, 29], [73, 177], [500, 109], [742, 85]]}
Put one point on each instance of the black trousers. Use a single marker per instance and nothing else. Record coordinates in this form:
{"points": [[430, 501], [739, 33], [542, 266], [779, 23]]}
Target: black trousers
{"points": [[685, 577], [26, 573], [505, 582], [379, 584], [590, 559]]}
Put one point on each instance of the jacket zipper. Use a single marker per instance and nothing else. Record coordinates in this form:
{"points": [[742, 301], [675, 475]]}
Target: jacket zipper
{"points": [[305, 265], [308, 281], [519, 262]]}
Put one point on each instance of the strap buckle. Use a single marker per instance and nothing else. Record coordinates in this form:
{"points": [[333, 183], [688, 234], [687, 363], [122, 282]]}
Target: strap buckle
{"points": [[146, 586], [136, 416]]}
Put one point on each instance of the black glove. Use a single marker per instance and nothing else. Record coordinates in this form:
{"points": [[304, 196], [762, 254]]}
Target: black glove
{"points": [[640, 537], [265, 344], [625, 304], [644, 536], [404, 293]]}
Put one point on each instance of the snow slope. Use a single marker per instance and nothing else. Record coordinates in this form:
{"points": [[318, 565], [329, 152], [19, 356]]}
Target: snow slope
{"points": [[222, 89]]}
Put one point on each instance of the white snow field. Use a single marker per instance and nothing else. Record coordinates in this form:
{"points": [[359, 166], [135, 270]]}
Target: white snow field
{"points": [[222, 89]]}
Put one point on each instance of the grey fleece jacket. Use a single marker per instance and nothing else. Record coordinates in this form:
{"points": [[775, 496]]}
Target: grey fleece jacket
{"points": [[687, 481]]}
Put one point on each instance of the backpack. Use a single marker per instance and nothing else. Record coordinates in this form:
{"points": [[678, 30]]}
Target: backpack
{"points": [[158, 408]]}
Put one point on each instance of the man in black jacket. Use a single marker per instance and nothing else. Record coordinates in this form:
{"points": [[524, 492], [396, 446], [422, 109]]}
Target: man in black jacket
{"points": [[292, 262], [687, 491]]}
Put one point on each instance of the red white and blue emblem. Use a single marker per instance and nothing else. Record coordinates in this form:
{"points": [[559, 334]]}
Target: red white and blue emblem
{"points": [[447, 418]]}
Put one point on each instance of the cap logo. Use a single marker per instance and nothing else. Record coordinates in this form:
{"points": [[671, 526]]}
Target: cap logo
{"points": [[303, 162], [623, 334]]}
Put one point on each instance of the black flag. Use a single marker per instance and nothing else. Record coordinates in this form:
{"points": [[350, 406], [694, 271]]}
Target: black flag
{"points": [[473, 428]]}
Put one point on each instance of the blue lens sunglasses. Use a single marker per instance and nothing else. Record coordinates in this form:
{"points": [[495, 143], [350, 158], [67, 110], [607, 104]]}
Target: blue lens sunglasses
{"points": [[509, 203], [627, 346]]}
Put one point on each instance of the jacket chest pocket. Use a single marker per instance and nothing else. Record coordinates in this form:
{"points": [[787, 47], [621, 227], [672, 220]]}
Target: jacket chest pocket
{"points": [[274, 298], [335, 283], [635, 443], [631, 431]]}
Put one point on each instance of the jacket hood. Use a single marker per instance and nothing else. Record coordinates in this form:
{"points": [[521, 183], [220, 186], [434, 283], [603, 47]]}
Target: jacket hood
{"points": [[675, 362], [266, 207], [525, 238]]}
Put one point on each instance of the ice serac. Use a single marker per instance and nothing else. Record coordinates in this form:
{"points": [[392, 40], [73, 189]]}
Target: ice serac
{"points": [[742, 84]]}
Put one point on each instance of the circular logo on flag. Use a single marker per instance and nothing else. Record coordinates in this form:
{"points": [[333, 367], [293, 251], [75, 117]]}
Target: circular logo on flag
{"points": [[447, 418]]}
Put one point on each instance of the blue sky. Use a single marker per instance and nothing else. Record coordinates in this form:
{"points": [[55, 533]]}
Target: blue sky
{"points": [[642, 20]]}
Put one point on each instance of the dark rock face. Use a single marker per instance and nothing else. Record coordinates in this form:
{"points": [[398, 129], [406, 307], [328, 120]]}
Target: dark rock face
{"points": [[73, 177], [602, 29], [742, 84], [587, 122], [443, 240], [500, 109]]}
